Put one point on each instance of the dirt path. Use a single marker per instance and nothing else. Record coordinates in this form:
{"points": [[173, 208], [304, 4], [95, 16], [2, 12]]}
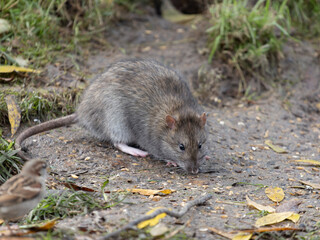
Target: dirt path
{"points": [[240, 160]]}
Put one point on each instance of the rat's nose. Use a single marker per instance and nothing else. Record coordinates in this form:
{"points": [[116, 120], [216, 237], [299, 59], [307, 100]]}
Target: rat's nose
{"points": [[195, 170]]}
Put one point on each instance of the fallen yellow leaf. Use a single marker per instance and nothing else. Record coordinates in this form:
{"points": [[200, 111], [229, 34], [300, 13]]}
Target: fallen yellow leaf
{"points": [[14, 113], [309, 161], [242, 236], [153, 221], [259, 206], [40, 226], [149, 192], [275, 148], [166, 191], [276, 194], [273, 218], [10, 69], [294, 217]]}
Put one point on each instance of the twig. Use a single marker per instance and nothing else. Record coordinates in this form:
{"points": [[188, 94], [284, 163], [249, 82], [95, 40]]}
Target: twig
{"points": [[175, 214]]}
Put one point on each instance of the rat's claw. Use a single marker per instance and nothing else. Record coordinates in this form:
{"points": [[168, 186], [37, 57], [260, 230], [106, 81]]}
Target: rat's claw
{"points": [[130, 150]]}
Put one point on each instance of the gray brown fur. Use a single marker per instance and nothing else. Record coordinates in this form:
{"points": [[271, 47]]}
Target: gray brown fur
{"points": [[129, 103]]}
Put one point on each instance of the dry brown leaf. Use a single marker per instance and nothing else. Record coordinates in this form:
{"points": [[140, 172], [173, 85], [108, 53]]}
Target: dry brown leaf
{"points": [[159, 230], [259, 206], [309, 161], [77, 188], [221, 233], [273, 218], [276, 194], [14, 113], [289, 206], [270, 229], [275, 148], [313, 185], [149, 192]]}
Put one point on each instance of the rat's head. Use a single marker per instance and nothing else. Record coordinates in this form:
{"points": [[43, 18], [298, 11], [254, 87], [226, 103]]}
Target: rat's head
{"points": [[184, 143]]}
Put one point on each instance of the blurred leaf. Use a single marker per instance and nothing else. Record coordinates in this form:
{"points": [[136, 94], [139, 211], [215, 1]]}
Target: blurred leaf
{"points": [[21, 61], [77, 188], [259, 206], [275, 148], [273, 218], [294, 217], [14, 113], [149, 192], [173, 15], [289, 206], [10, 69], [40, 226], [153, 221], [314, 185], [159, 230], [4, 26], [276, 194], [309, 161], [242, 236]]}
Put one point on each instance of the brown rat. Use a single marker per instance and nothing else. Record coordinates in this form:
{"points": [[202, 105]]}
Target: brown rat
{"points": [[144, 103]]}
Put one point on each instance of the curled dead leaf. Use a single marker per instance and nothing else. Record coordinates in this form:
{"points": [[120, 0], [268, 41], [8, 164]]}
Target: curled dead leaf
{"points": [[259, 206], [149, 192], [275, 148], [313, 185], [308, 161]]}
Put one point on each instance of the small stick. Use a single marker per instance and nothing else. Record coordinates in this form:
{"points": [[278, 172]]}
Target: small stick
{"points": [[175, 214]]}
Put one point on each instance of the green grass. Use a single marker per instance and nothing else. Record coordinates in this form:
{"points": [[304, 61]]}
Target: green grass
{"points": [[40, 104], [9, 163], [250, 38], [305, 16], [71, 203], [42, 30]]}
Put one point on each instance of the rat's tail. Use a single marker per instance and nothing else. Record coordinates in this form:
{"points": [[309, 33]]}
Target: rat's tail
{"points": [[42, 127]]}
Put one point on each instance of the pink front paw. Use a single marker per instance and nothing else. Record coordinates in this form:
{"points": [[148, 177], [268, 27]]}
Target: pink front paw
{"points": [[173, 164]]}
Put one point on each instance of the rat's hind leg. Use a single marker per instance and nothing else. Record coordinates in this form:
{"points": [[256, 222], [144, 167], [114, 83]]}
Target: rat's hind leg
{"points": [[130, 150]]}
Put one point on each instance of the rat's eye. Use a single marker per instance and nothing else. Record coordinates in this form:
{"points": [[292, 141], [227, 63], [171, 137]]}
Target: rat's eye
{"points": [[200, 145], [181, 146]]}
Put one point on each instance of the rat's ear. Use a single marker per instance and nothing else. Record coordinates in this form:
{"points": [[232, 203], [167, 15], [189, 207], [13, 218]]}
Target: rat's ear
{"points": [[203, 119], [171, 122]]}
